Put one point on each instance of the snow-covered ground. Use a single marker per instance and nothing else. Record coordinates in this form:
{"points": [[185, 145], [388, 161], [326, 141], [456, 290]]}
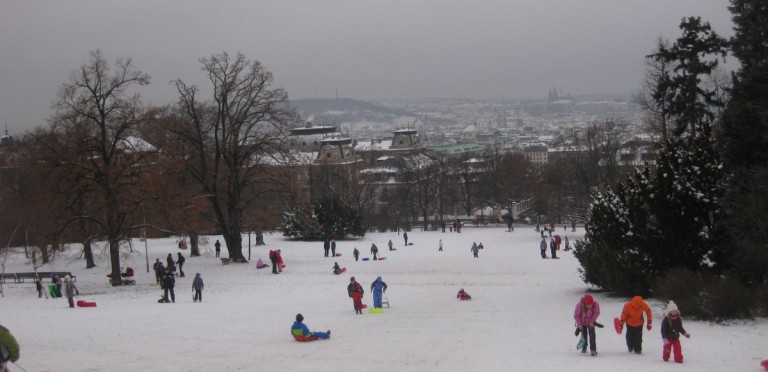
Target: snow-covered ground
{"points": [[520, 317]]}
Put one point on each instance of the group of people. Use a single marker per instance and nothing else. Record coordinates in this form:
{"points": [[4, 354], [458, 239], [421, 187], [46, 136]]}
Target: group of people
{"points": [[355, 291], [634, 315], [554, 246]]}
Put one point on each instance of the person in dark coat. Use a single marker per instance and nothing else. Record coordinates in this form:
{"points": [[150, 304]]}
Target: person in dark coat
{"points": [[356, 253], [355, 291], [553, 248], [327, 246], [543, 247], [159, 271], [169, 281], [57, 283], [375, 251], [273, 259], [197, 287], [218, 248], [333, 246], [405, 237], [180, 261], [170, 264]]}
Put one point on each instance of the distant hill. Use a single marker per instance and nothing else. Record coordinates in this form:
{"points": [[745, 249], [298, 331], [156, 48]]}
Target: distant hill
{"points": [[341, 108]]}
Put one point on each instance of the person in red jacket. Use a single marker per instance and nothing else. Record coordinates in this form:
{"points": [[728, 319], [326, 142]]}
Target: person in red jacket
{"points": [[355, 291], [632, 316]]}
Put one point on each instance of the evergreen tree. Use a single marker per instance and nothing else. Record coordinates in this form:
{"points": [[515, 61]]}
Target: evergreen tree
{"points": [[744, 137], [326, 217], [663, 219]]}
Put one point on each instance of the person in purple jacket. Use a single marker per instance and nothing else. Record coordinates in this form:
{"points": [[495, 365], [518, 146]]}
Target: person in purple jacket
{"points": [[585, 314]]}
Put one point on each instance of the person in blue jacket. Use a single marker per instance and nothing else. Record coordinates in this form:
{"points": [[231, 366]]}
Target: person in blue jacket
{"points": [[377, 288], [301, 333]]}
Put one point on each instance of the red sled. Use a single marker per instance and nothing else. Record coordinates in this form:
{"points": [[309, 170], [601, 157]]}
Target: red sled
{"points": [[764, 364], [617, 325], [83, 303], [338, 254], [305, 338], [343, 269]]}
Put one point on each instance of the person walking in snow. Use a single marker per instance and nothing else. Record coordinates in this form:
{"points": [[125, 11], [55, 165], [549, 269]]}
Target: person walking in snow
{"points": [[57, 284], [374, 251], [671, 329], [69, 290], [632, 316], [301, 332], [378, 287], [390, 244], [197, 288], [218, 248], [327, 246], [273, 260], [333, 246], [474, 249], [169, 281], [356, 253], [405, 237], [181, 261], [171, 265], [355, 291], [440, 245], [543, 247], [159, 271], [567, 245], [553, 248], [585, 314]]}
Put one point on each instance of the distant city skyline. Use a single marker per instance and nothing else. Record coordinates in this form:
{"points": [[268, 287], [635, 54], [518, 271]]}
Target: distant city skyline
{"points": [[347, 48]]}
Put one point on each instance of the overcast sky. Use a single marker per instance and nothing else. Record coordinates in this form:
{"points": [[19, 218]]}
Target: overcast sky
{"points": [[364, 49]]}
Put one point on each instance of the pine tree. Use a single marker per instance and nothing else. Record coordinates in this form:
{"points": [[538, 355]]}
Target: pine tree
{"points": [[744, 137], [664, 218]]}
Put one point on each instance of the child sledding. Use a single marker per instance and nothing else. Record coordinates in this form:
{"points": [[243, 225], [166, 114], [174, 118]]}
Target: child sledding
{"points": [[338, 270], [301, 332]]}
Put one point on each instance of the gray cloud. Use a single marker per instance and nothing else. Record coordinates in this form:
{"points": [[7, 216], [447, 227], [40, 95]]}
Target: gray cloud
{"points": [[365, 49]]}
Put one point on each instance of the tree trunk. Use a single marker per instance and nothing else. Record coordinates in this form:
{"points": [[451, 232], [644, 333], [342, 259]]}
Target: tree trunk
{"points": [[114, 258], [88, 253], [194, 244]]}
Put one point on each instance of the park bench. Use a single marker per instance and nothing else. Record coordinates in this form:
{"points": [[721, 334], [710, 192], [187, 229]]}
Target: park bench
{"points": [[4, 277], [21, 277]]}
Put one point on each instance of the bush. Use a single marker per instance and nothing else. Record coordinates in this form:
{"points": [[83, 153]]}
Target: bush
{"points": [[707, 297]]}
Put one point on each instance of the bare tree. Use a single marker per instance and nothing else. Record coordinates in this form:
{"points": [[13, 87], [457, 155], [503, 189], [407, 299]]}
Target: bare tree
{"points": [[97, 102], [657, 113], [233, 138]]}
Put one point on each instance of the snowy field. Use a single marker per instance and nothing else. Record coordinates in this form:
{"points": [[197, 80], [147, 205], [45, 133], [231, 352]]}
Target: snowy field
{"points": [[520, 317]]}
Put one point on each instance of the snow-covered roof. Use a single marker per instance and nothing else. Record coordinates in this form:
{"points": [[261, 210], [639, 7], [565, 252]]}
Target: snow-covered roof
{"points": [[135, 144]]}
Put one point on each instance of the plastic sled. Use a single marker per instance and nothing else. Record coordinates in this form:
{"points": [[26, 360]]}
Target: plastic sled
{"points": [[262, 267], [410, 243], [366, 259], [305, 338], [375, 310], [338, 254], [343, 269], [617, 325], [382, 258], [764, 364], [83, 303], [581, 344]]}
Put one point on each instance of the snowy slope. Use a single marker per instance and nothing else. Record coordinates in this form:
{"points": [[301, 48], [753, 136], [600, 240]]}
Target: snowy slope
{"points": [[520, 317]]}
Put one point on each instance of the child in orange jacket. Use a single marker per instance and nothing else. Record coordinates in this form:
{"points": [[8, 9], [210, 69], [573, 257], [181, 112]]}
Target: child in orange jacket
{"points": [[632, 316]]}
